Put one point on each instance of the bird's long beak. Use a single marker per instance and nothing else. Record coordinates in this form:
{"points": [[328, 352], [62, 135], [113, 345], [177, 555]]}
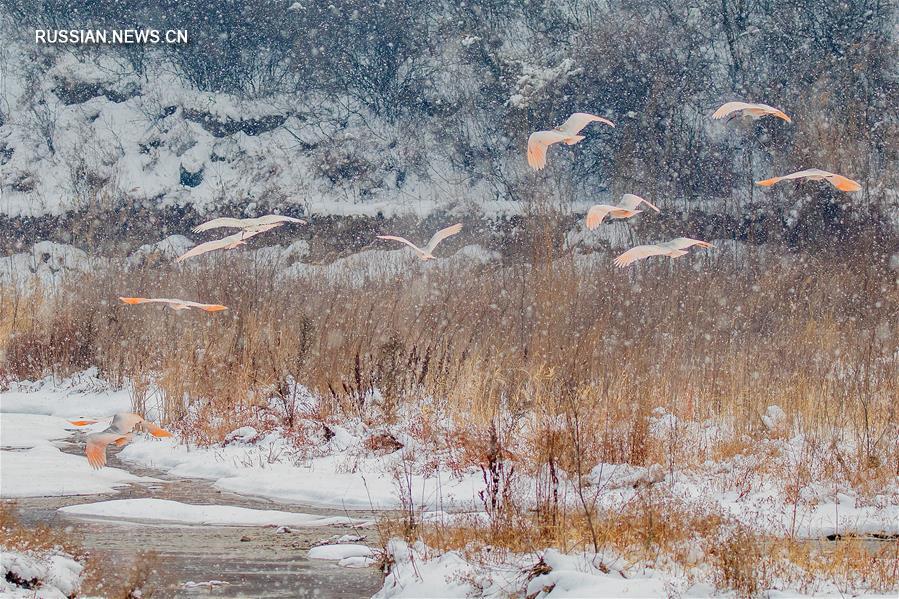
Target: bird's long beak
{"points": [[82, 422]]}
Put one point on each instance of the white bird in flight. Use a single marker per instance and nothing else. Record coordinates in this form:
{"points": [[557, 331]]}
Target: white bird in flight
{"points": [[247, 224], [174, 304], [120, 431], [426, 253], [673, 249], [815, 174], [567, 133], [227, 243], [626, 208], [730, 110]]}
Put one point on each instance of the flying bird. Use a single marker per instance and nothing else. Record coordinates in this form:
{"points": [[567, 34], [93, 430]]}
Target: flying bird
{"points": [[566, 133], [673, 249], [227, 243], [626, 208], [731, 110], [815, 174], [426, 253], [247, 224], [174, 304], [120, 432]]}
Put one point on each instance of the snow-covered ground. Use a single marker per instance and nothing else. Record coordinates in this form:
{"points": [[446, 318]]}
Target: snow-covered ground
{"points": [[38, 575], [31, 462], [337, 466], [271, 467], [81, 395], [149, 509], [417, 571]]}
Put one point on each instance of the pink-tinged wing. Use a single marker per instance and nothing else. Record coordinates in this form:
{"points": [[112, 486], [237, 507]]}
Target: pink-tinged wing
{"points": [[124, 422], [95, 450], [809, 172], [630, 201], [538, 142], [279, 219], [156, 431], [596, 214], [728, 108], [148, 300], [579, 120], [769, 182], [776, 112], [257, 229], [209, 246], [218, 223], [844, 183], [134, 300], [207, 307], [441, 235], [682, 243], [638, 253], [402, 240]]}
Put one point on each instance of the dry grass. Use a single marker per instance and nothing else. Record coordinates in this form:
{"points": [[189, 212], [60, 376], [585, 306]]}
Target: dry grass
{"points": [[543, 367], [36, 537]]}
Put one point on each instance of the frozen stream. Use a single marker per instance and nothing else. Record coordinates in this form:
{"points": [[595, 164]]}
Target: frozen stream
{"points": [[254, 561]]}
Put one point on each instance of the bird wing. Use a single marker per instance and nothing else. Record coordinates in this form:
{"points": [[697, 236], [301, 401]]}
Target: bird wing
{"points": [[209, 246], [537, 144], [844, 183], [728, 108], [149, 300], [579, 120], [154, 430], [207, 307], [95, 450], [774, 112], [638, 253], [149, 427], [218, 223], [809, 172], [769, 182], [257, 229], [682, 243], [278, 218], [402, 240], [135, 300], [124, 422], [630, 201], [441, 235], [596, 214]]}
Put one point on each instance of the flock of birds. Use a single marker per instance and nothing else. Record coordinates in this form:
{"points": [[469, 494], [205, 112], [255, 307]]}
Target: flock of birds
{"points": [[124, 425]]}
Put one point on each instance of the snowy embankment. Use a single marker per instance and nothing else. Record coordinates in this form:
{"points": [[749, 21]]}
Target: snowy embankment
{"points": [[33, 423], [345, 476], [165, 511], [416, 571], [43, 575]]}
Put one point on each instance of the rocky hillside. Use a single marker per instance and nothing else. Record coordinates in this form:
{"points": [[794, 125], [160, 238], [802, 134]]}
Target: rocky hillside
{"points": [[414, 108]]}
